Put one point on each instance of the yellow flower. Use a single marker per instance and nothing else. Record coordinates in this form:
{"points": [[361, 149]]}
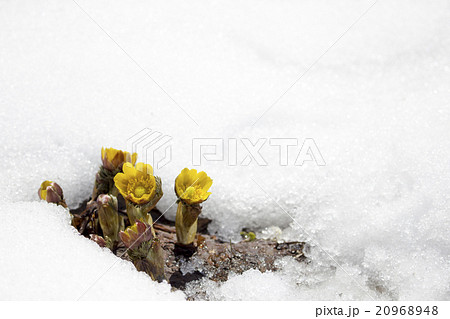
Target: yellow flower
{"points": [[192, 187], [113, 159], [136, 184]]}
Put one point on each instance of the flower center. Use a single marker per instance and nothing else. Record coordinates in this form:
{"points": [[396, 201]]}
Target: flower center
{"points": [[189, 192], [139, 191], [140, 186], [192, 192]]}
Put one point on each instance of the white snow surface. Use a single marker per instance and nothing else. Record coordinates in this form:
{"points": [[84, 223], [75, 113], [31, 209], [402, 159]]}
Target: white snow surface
{"points": [[46, 259], [376, 216]]}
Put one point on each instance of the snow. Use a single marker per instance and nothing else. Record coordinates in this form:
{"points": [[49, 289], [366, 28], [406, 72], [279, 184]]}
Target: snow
{"points": [[376, 215], [48, 260]]}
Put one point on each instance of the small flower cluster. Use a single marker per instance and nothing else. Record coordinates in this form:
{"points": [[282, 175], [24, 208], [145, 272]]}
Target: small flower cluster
{"points": [[118, 214]]}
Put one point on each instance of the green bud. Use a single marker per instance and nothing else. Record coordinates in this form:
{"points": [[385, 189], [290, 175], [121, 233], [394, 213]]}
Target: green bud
{"points": [[108, 216]]}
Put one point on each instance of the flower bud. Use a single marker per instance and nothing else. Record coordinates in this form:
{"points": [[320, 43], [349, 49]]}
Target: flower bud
{"points": [[98, 239], [113, 159], [108, 216], [135, 235], [144, 250], [52, 193]]}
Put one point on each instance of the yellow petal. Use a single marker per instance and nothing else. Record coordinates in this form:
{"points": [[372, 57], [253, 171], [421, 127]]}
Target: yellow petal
{"points": [[121, 182], [43, 189], [206, 195], [184, 177], [192, 177], [129, 170], [203, 180], [110, 153], [207, 184], [146, 169]]}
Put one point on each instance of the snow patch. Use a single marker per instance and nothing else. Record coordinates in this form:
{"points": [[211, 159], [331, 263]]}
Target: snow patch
{"points": [[44, 258]]}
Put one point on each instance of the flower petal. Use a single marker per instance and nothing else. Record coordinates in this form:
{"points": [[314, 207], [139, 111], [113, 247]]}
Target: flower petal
{"points": [[129, 170], [121, 182], [147, 169], [133, 158]]}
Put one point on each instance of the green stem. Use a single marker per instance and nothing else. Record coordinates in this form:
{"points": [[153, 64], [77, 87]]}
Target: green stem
{"points": [[135, 212], [186, 222]]}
